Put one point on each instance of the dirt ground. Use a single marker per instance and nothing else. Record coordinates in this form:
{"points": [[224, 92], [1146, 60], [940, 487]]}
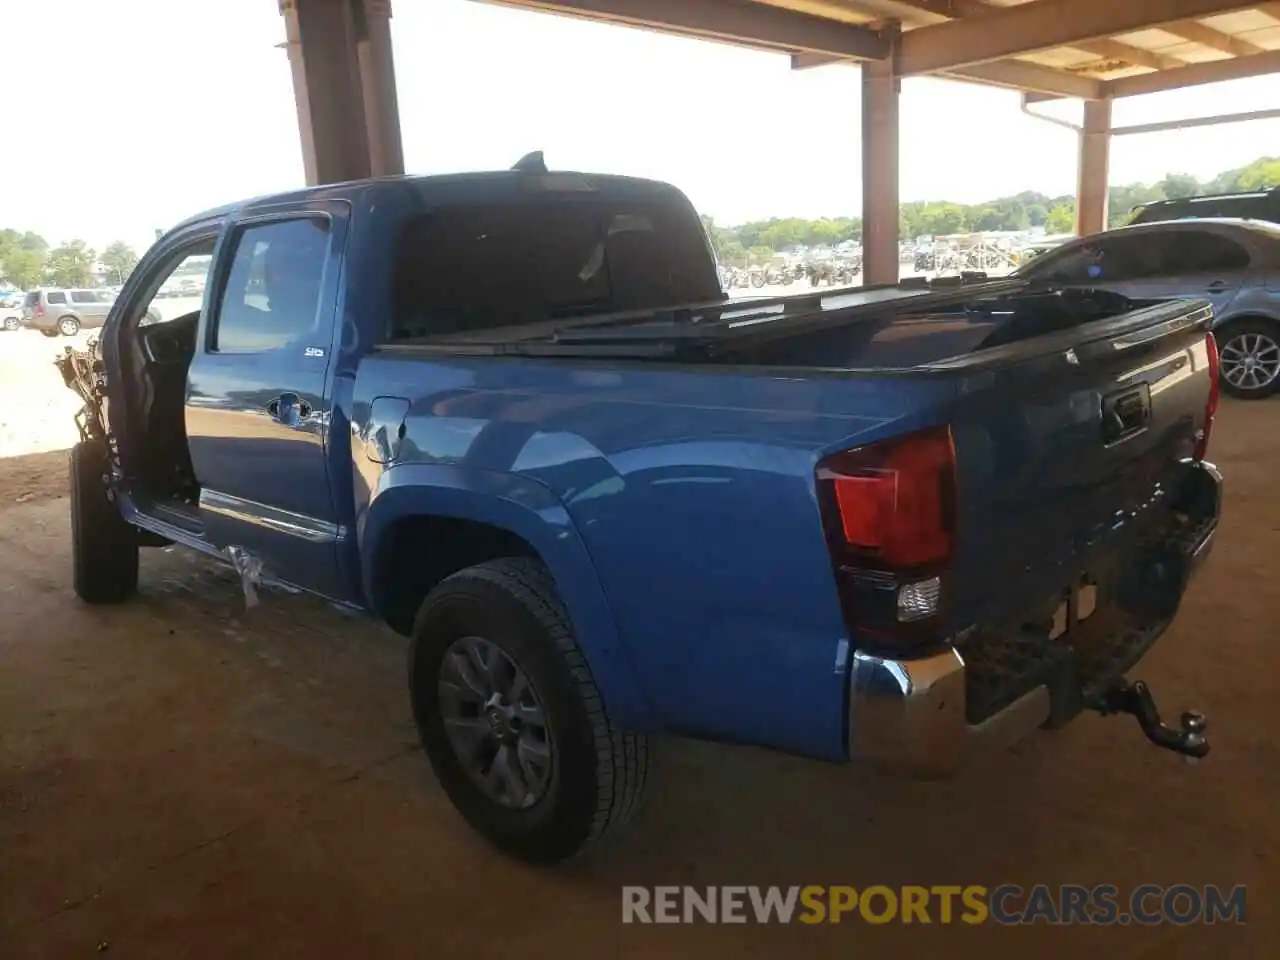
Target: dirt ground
{"points": [[180, 778]]}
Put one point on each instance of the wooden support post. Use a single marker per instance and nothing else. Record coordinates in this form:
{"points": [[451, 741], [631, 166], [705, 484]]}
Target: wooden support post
{"points": [[1095, 155], [880, 88], [378, 80], [344, 87]]}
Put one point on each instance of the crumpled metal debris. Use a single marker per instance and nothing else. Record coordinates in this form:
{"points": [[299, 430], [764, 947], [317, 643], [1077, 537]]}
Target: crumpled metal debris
{"points": [[250, 569]]}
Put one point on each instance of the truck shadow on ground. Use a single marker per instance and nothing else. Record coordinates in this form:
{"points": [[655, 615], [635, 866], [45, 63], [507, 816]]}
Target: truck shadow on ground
{"points": [[1093, 798]]}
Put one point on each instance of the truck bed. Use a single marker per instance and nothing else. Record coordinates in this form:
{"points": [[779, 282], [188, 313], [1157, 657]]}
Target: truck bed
{"points": [[685, 460]]}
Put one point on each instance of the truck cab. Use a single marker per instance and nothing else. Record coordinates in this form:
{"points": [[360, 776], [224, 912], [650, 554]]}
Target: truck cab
{"points": [[229, 416]]}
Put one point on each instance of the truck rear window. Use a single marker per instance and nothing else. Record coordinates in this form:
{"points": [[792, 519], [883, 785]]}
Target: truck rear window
{"points": [[468, 269]]}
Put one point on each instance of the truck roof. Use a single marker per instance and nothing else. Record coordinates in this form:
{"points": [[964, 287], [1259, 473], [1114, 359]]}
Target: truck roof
{"points": [[454, 188]]}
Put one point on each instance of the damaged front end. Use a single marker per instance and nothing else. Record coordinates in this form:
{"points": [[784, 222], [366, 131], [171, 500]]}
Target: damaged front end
{"points": [[83, 371]]}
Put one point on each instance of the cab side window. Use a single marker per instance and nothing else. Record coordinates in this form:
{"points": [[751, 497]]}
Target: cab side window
{"points": [[271, 297], [1200, 251]]}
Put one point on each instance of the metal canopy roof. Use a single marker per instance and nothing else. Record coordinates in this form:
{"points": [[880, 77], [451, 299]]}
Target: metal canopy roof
{"points": [[1092, 49]]}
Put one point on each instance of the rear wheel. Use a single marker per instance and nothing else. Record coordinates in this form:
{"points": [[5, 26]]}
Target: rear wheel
{"points": [[1250, 357], [511, 718], [104, 550], [68, 326]]}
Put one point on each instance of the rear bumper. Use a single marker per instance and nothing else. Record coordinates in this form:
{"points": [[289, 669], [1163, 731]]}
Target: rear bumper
{"points": [[908, 716]]}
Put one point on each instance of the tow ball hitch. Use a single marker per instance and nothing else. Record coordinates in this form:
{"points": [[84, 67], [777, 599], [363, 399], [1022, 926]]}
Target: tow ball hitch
{"points": [[1135, 699]]}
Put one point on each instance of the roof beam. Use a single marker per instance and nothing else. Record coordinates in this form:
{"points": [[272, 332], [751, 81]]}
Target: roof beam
{"points": [[828, 10], [1041, 25], [1197, 32], [1193, 74], [811, 61], [934, 11], [740, 22], [1048, 84], [1136, 56], [1020, 75], [906, 10]]}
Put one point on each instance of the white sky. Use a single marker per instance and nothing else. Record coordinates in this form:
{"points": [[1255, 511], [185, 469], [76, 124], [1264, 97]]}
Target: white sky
{"points": [[167, 107]]}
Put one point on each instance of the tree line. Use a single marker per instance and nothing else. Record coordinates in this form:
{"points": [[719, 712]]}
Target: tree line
{"points": [[27, 260], [761, 239]]}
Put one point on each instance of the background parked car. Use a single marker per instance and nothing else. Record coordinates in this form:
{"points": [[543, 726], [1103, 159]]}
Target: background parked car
{"points": [[11, 312], [1234, 264], [1259, 205], [1042, 246], [65, 311]]}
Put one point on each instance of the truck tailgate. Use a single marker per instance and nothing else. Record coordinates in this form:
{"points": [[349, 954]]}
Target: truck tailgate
{"points": [[1069, 462]]}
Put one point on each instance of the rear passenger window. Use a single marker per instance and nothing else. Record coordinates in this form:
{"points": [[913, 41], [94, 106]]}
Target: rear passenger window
{"points": [[272, 293], [84, 296], [56, 296], [1199, 251]]}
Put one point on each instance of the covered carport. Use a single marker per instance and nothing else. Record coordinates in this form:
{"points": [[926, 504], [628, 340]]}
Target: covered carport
{"points": [[1092, 50], [189, 777]]}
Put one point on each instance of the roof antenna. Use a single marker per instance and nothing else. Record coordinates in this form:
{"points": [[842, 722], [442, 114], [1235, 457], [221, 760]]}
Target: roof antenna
{"points": [[531, 163]]}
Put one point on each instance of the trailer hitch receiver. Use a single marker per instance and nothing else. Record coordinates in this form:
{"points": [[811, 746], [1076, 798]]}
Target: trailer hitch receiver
{"points": [[1135, 699]]}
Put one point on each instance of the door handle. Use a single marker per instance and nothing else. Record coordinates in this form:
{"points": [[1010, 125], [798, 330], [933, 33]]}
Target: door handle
{"points": [[289, 409]]}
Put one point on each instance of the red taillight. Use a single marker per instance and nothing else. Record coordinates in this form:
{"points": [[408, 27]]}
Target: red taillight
{"points": [[894, 499], [889, 513], [1211, 405]]}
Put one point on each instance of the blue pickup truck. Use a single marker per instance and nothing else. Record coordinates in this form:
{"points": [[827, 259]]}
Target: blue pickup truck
{"points": [[514, 416]]}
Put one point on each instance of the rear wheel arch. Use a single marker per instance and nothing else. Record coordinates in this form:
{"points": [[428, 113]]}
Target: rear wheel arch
{"points": [[463, 527], [418, 551], [1225, 325]]}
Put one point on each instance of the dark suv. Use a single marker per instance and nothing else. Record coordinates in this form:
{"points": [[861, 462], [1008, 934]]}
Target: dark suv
{"points": [[1260, 205]]}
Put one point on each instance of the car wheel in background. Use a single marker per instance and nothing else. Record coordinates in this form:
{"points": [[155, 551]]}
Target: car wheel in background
{"points": [[1250, 355], [11, 324], [510, 716], [68, 326], [104, 549]]}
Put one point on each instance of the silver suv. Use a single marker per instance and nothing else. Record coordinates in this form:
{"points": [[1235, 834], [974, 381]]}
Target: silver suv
{"points": [[65, 311]]}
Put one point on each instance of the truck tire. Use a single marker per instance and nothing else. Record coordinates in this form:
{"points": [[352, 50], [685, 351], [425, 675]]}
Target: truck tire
{"points": [[1249, 353], [495, 675], [104, 551]]}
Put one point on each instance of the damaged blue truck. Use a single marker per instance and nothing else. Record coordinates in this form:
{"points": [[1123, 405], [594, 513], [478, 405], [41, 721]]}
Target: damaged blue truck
{"points": [[513, 416]]}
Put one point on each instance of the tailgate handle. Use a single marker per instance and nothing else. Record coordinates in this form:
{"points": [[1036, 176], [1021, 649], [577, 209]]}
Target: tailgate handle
{"points": [[1126, 413]]}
